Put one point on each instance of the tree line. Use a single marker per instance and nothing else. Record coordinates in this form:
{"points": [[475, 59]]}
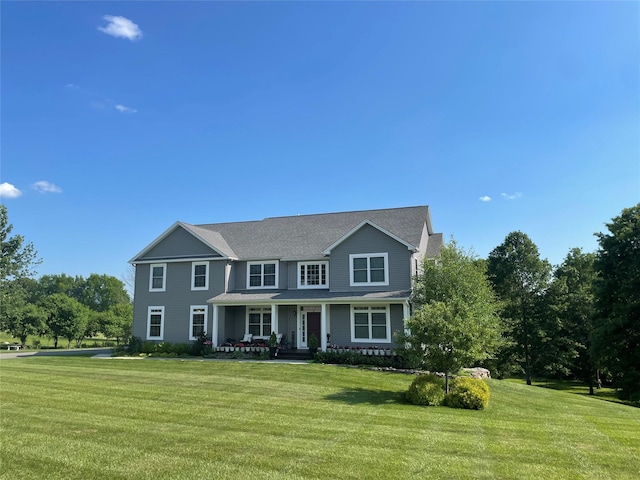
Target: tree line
{"points": [[516, 314], [57, 306]]}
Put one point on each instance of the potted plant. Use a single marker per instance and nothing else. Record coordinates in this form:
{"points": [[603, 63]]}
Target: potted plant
{"points": [[273, 345], [313, 344]]}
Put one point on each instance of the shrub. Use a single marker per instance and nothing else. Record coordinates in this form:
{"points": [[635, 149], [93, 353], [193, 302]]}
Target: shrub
{"points": [[149, 347], [135, 345], [427, 389], [467, 392], [353, 357]]}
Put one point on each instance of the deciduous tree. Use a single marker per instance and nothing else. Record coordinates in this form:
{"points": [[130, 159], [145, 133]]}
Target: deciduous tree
{"points": [[454, 323], [65, 317], [520, 277], [617, 333]]}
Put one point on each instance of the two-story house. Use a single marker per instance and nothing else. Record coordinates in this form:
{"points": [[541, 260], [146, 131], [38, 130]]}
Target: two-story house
{"points": [[348, 275]]}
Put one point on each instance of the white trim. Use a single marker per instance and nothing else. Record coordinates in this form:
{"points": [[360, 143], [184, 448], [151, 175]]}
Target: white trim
{"points": [[368, 256], [214, 326], [196, 309], [180, 259], [312, 263], [193, 276], [262, 263], [164, 277], [358, 227], [155, 310], [369, 310]]}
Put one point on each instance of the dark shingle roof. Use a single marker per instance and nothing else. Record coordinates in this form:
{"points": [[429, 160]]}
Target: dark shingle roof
{"points": [[307, 236]]}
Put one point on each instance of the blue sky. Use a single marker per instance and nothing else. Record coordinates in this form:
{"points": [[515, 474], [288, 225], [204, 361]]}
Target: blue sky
{"points": [[120, 118]]}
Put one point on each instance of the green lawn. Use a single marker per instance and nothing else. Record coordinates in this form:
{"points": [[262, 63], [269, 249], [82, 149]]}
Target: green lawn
{"points": [[123, 418]]}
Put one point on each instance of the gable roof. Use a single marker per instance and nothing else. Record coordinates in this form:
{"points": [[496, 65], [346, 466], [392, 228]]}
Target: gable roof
{"points": [[358, 227], [307, 237], [211, 239]]}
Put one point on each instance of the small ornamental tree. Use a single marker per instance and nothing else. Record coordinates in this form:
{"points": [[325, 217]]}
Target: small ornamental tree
{"points": [[454, 323]]}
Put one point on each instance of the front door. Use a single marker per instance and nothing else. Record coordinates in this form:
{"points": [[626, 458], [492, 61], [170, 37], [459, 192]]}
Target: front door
{"points": [[313, 325]]}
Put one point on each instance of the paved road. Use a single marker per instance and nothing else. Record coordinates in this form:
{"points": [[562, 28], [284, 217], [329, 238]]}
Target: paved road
{"points": [[52, 353]]}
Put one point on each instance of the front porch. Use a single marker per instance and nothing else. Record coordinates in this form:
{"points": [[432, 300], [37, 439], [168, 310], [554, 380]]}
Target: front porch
{"points": [[363, 322]]}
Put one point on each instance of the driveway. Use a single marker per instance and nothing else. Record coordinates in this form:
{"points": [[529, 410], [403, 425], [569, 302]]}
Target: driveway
{"points": [[55, 353]]}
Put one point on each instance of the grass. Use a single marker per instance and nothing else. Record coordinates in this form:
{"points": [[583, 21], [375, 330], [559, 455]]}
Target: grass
{"points": [[84, 418]]}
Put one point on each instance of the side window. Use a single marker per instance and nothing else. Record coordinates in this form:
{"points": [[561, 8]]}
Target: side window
{"points": [[200, 276], [157, 277], [155, 323]]}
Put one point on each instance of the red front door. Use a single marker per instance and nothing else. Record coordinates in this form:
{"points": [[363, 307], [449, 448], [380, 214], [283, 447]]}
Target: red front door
{"points": [[313, 326]]}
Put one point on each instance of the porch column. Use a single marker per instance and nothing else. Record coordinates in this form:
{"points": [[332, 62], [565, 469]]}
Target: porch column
{"points": [[323, 327], [406, 312], [274, 318], [214, 326]]}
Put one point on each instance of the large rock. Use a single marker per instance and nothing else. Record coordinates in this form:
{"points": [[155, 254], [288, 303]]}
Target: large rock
{"points": [[477, 372]]}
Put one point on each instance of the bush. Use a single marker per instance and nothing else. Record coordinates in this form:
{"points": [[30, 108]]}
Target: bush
{"points": [[149, 347], [354, 357], [427, 389], [467, 392]]}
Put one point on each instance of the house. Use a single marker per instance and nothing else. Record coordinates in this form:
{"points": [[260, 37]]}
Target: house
{"points": [[345, 276]]}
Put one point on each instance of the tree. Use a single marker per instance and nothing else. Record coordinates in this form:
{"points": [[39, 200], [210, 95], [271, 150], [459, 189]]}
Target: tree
{"points": [[520, 278], [568, 320], [117, 321], [65, 317], [29, 319], [455, 322], [101, 292], [617, 333], [18, 259], [17, 262]]}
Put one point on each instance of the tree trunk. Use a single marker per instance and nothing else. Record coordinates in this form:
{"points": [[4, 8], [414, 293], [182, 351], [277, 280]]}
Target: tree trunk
{"points": [[446, 382]]}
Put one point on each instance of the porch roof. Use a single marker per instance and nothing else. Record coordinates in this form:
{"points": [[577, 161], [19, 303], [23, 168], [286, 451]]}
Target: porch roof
{"points": [[293, 297]]}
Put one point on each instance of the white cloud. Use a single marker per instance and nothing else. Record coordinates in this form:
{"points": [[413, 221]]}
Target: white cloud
{"points": [[513, 196], [9, 191], [121, 27], [123, 109], [46, 187], [485, 198], [72, 85]]}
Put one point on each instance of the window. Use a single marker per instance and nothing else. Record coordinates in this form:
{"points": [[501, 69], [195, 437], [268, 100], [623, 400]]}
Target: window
{"points": [[370, 323], [155, 323], [259, 321], [157, 277], [198, 322], [199, 275], [369, 269], [313, 275], [262, 275]]}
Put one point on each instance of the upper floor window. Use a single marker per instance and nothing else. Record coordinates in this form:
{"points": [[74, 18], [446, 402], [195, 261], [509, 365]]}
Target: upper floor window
{"points": [[370, 323], [155, 323], [199, 275], [313, 274], [369, 269], [198, 321], [157, 277], [262, 274]]}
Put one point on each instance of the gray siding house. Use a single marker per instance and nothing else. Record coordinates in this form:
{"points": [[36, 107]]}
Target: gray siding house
{"points": [[346, 277]]}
